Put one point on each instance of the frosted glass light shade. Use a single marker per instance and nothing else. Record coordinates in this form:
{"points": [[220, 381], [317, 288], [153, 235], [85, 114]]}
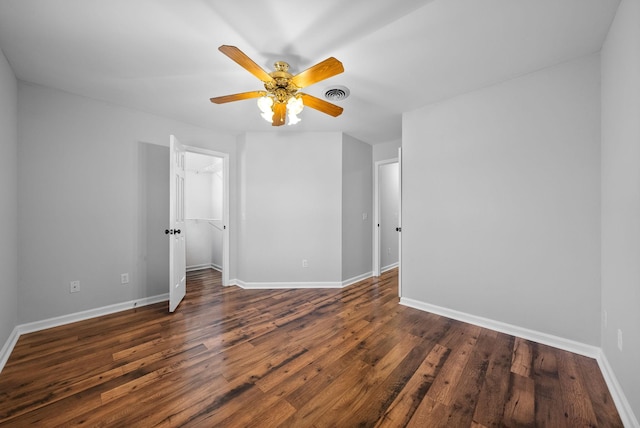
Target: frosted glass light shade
{"points": [[264, 104]]}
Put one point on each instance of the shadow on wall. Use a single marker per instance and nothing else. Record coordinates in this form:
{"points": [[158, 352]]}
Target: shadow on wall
{"points": [[153, 200]]}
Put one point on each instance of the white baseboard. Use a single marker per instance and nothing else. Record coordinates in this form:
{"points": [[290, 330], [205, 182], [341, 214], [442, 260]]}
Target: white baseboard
{"points": [[389, 267], [358, 278], [70, 318], [293, 285], [620, 400], [284, 285], [625, 411], [204, 266], [525, 333], [8, 347]]}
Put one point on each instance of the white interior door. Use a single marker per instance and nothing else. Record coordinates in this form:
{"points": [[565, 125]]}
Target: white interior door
{"points": [[176, 231], [225, 221]]}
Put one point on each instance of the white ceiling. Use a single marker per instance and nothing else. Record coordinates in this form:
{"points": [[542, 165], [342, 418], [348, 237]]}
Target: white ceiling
{"points": [[200, 163], [161, 56]]}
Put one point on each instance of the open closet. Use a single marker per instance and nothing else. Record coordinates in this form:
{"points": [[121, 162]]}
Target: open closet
{"points": [[204, 184]]}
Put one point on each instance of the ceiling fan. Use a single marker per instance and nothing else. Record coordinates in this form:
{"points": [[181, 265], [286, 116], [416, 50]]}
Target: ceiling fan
{"points": [[281, 99]]}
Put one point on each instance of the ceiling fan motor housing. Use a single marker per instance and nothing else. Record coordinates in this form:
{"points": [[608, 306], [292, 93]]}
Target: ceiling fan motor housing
{"points": [[281, 88]]}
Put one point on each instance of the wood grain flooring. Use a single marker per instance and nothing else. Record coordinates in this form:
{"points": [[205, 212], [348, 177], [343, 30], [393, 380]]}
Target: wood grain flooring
{"points": [[295, 358]]}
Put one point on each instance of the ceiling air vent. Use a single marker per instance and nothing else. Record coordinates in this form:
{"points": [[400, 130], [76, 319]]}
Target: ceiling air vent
{"points": [[336, 93]]}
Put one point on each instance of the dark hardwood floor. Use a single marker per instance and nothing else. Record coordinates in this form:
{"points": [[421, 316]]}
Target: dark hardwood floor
{"points": [[295, 358]]}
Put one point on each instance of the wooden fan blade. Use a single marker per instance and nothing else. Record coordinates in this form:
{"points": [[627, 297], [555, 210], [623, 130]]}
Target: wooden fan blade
{"points": [[279, 113], [244, 61], [321, 105], [323, 70], [237, 97]]}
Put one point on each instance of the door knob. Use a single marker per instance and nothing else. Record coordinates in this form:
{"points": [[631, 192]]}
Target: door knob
{"points": [[176, 231], [168, 231]]}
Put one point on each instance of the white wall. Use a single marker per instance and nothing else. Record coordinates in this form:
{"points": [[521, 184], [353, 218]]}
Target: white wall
{"points": [[384, 151], [290, 207], [621, 197], [357, 208], [9, 198], [79, 200], [501, 205], [198, 193], [389, 191]]}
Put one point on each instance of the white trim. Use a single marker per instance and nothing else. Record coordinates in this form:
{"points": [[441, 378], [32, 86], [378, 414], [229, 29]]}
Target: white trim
{"points": [[350, 281], [535, 336], [400, 223], [622, 404], [8, 347], [226, 219], [204, 266], [91, 313], [71, 318], [389, 267], [285, 285], [295, 285]]}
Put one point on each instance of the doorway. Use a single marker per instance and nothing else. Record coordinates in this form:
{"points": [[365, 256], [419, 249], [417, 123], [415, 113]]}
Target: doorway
{"points": [[386, 247], [207, 211]]}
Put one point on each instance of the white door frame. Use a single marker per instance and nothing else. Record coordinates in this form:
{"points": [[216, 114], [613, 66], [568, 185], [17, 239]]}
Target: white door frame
{"points": [[376, 215], [400, 223], [225, 209]]}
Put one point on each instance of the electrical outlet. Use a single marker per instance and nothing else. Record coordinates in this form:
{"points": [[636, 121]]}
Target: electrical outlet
{"points": [[124, 278], [305, 263], [620, 340], [74, 286]]}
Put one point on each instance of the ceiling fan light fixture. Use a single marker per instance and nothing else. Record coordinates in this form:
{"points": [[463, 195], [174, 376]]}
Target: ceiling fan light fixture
{"points": [[294, 107], [267, 115], [265, 104], [292, 119]]}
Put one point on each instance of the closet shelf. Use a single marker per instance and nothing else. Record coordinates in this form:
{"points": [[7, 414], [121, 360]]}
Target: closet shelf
{"points": [[215, 222], [204, 219]]}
